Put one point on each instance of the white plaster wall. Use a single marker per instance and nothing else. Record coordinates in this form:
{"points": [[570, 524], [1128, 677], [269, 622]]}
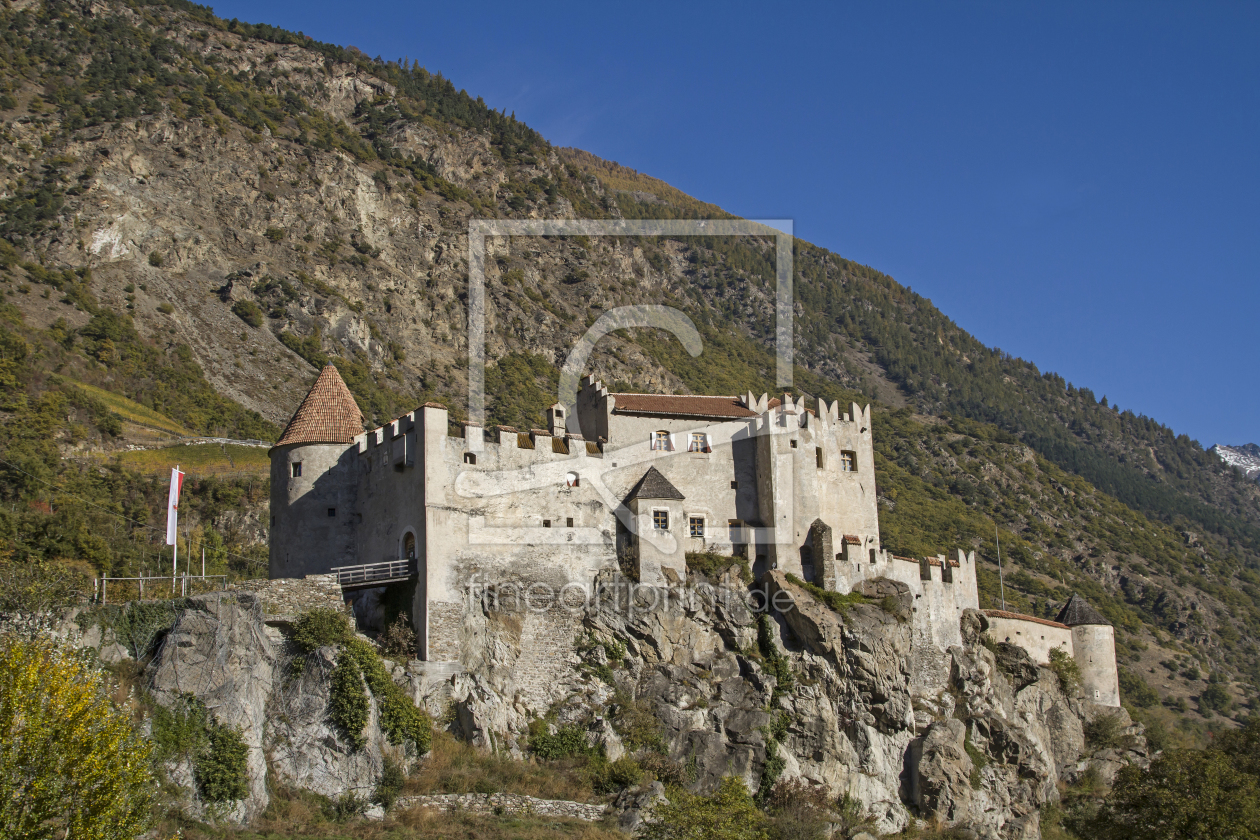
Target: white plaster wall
{"points": [[1036, 638], [1094, 646]]}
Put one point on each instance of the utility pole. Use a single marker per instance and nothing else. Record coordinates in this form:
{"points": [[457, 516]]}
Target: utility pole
{"points": [[1001, 580]]}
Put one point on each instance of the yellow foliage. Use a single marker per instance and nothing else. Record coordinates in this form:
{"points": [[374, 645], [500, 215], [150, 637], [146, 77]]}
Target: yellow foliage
{"points": [[71, 763]]}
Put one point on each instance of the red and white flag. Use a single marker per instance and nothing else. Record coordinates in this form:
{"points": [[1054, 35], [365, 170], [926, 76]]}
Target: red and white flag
{"points": [[172, 505]]}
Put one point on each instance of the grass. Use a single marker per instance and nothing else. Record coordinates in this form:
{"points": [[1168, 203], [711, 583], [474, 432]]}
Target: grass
{"points": [[456, 767], [836, 601], [199, 459], [130, 410], [303, 816]]}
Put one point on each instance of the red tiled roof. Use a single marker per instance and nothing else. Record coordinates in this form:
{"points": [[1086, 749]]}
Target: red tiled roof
{"points": [[852, 540], [329, 413], [681, 406], [1019, 617]]}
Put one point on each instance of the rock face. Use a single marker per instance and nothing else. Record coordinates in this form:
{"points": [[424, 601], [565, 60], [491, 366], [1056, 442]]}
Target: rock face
{"points": [[695, 681], [983, 750], [222, 653]]}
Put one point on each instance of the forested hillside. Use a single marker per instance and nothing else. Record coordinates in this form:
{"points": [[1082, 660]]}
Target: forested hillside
{"points": [[198, 212]]}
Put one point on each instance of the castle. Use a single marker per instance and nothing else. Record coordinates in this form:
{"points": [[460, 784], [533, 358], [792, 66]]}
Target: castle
{"points": [[646, 480]]}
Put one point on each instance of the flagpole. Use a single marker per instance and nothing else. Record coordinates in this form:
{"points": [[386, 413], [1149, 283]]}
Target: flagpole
{"points": [[1001, 577]]}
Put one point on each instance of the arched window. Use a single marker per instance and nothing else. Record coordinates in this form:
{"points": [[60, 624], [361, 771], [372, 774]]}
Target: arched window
{"points": [[409, 546], [572, 479]]}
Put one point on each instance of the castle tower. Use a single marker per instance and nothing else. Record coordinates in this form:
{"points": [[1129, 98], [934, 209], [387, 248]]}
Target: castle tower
{"points": [[1094, 648], [313, 482]]}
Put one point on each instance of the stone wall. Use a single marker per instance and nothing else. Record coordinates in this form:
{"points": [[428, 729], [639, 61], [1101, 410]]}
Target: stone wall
{"points": [[505, 803], [294, 596]]}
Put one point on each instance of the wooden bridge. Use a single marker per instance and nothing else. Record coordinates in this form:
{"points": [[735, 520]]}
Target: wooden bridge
{"points": [[368, 575]]}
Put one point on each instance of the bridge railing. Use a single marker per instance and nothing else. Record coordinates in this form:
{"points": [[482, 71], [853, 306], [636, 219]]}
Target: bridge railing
{"points": [[371, 572]]}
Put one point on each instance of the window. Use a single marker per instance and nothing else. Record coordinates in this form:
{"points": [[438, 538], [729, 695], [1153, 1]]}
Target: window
{"points": [[470, 458], [568, 522], [546, 523], [695, 525], [660, 520], [736, 528], [734, 485], [332, 512], [793, 443], [661, 441], [698, 442], [818, 457], [572, 479], [848, 461], [297, 469]]}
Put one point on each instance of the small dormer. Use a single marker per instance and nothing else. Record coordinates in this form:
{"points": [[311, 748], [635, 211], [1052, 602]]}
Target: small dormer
{"points": [[556, 420]]}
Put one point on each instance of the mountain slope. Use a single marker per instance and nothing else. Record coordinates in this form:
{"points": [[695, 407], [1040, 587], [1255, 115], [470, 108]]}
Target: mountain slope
{"points": [[254, 203]]}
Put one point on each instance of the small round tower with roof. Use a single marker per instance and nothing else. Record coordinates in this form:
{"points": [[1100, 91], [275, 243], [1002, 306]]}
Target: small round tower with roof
{"points": [[1094, 648], [312, 482]]}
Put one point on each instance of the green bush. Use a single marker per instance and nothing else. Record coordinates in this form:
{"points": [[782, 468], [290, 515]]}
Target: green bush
{"points": [[221, 771], [155, 259], [390, 784], [1106, 731], [320, 627], [568, 741], [728, 814], [218, 753], [275, 234], [1216, 698], [166, 308], [1065, 668], [249, 312], [1187, 794], [348, 704]]}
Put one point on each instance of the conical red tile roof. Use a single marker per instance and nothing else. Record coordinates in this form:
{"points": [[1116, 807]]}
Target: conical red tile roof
{"points": [[329, 413]]}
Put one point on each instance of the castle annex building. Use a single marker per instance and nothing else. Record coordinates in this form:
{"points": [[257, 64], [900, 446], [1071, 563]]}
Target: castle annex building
{"points": [[647, 479]]}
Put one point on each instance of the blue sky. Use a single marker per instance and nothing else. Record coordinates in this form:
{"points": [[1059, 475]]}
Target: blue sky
{"points": [[1076, 183]]}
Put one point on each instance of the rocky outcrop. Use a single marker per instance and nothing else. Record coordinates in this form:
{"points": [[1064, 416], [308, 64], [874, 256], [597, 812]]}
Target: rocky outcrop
{"points": [[221, 652], [982, 750]]}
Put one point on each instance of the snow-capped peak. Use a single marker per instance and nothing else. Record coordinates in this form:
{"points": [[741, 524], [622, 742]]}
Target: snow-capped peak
{"points": [[1245, 457]]}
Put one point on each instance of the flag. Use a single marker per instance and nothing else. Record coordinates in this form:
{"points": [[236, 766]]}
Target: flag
{"points": [[172, 505]]}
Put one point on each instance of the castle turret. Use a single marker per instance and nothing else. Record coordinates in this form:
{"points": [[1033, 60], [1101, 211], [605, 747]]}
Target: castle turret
{"points": [[1094, 648], [313, 484]]}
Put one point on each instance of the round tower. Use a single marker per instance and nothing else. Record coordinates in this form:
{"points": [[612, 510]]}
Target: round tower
{"points": [[1094, 648], [314, 482]]}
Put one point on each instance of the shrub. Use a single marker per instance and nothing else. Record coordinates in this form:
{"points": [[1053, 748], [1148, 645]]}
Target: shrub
{"points": [[567, 742], [729, 813], [348, 705], [1065, 668], [155, 259], [221, 771], [275, 234], [166, 309], [249, 312], [90, 779], [1105, 731], [1216, 699], [390, 784], [1187, 794], [399, 639], [320, 627]]}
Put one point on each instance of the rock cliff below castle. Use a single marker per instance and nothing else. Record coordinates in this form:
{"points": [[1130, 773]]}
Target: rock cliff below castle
{"points": [[708, 685]]}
